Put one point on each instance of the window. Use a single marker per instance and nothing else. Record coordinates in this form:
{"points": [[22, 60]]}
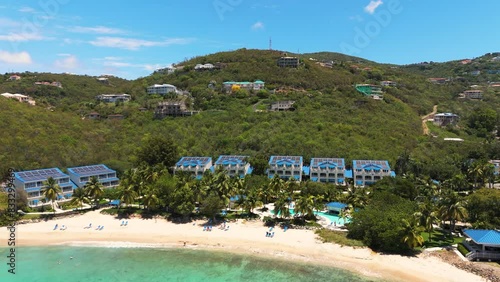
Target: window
{"points": [[322, 175], [368, 177], [64, 180], [359, 177], [84, 179], [296, 173], [315, 174], [111, 175], [340, 175], [30, 185]]}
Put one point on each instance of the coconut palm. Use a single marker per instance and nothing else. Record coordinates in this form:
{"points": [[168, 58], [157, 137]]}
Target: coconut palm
{"points": [[282, 206], [79, 197], [94, 190], [127, 195], [412, 233], [426, 216], [51, 191], [150, 198], [305, 205], [453, 211]]}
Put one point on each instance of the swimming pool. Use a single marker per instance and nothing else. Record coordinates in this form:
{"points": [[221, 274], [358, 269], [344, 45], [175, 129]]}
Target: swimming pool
{"points": [[331, 218]]}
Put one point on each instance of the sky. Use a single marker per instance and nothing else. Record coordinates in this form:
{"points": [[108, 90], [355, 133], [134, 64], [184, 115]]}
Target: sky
{"points": [[131, 39]]}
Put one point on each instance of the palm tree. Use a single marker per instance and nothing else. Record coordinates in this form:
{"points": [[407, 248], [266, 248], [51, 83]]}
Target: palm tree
{"points": [[127, 195], [150, 198], [412, 233], [282, 206], [51, 191], [276, 185], [427, 216], [94, 189], [79, 197], [305, 205], [453, 212]]}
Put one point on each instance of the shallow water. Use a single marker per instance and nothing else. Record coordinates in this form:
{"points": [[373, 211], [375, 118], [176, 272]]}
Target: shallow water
{"points": [[89, 264]]}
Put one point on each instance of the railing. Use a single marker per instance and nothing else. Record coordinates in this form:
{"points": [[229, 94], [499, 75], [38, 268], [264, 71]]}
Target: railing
{"points": [[476, 255]]}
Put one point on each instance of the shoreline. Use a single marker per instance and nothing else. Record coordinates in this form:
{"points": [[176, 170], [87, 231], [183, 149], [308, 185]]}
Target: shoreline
{"points": [[244, 238]]}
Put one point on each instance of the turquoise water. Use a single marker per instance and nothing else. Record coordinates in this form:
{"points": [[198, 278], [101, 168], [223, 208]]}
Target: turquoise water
{"points": [[90, 264], [330, 217]]}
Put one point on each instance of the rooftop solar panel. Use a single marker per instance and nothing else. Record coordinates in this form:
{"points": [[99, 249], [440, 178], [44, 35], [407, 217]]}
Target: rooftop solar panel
{"points": [[39, 175]]}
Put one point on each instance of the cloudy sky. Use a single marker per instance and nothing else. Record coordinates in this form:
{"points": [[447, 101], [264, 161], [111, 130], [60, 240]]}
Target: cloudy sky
{"points": [[132, 38]]}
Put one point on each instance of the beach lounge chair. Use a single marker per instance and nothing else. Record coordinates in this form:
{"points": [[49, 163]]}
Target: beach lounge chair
{"points": [[55, 227], [227, 228], [89, 226], [204, 228], [285, 228], [123, 223], [272, 234], [63, 227], [102, 227], [98, 227], [126, 223]]}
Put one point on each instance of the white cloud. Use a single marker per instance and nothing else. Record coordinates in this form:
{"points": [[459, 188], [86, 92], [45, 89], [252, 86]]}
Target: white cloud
{"points": [[15, 58], [17, 37], [5, 22], [68, 63], [26, 9], [135, 44], [95, 29], [257, 26], [372, 6]]}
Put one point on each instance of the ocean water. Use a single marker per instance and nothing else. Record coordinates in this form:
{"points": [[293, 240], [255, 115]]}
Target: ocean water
{"points": [[90, 264]]}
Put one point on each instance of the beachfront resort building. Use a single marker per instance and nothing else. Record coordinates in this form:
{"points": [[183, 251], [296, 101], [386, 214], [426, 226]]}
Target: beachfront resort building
{"points": [[20, 97], [230, 86], [162, 89], [196, 166], [483, 244], [81, 175], [235, 166], [33, 182], [291, 62], [279, 106], [367, 172], [330, 170], [111, 98], [285, 167], [444, 119]]}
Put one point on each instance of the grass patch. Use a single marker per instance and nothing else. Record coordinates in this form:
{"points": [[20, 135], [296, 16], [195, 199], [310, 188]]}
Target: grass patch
{"points": [[31, 216], [462, 249], [330, 236], [440, 238]]}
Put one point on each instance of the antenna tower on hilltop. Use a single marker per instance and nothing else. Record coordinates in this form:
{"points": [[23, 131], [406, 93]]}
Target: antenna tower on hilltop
{"points": [[270, 44]]}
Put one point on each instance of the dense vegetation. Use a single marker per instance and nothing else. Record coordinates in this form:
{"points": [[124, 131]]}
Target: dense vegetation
{"points": [[331, 120]]}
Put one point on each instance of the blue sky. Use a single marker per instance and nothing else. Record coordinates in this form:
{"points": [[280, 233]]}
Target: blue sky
{"points": [[132, 38]]}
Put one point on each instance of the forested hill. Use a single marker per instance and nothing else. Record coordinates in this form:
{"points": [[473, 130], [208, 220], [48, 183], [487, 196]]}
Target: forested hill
{"points": [[331, 118]]}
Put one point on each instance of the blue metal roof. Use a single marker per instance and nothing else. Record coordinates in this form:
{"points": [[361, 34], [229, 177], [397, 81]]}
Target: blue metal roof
{"points": [[327, 163], [336, 205], [482, 236], [39, 174], [283, 160], [232, 160], [90, 170], [193, 161], [370, 164]]}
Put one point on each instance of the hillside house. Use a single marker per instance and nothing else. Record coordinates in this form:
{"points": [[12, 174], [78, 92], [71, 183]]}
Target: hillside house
{"points": [[235, 166], [388, 83], [472, 94], [33, 183], [14, 77], [196, 166], [81, 175], [172, 108], [367, 172], [162, 89], [203, 67], [229, 86], [444, 119], [483, 244], [438, 80], [370, 90], [116, 117], [475, 72], [93, 116], [279, 106], [292, 62], [112, 98], [19, 97], [330, 170], [285, 167]]}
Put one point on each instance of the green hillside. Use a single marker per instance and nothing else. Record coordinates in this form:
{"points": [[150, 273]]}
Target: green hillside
{"points": [[331, 118]]}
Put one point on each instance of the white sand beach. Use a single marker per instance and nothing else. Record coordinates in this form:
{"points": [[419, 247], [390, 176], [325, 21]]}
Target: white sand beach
{"points": [[246, 237]]}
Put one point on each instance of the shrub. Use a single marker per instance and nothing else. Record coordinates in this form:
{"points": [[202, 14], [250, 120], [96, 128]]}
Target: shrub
{"points": [[462, 249]]}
